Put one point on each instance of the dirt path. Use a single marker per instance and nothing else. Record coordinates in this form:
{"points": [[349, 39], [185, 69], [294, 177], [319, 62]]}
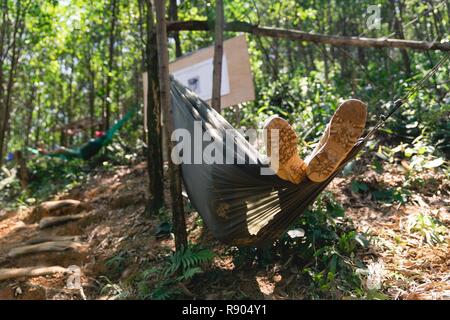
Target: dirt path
{"points": [[110, 220], [114, 243]]}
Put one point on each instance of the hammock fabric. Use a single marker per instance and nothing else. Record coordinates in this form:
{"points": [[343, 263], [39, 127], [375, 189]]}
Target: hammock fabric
{"points": [[238, 204], [91, 148]]}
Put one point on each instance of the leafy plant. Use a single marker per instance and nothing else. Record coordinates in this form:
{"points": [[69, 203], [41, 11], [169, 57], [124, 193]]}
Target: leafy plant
{"points": [[431, 229], [380, 193], [117, 263], [113, 290], [323, 249], [181, 267]]}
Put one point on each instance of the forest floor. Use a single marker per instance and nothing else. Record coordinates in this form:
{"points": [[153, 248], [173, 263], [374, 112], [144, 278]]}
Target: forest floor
{"points": [[118, 243]]}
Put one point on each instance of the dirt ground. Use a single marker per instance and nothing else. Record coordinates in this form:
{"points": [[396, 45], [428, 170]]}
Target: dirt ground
{"points": [[116, 225]]}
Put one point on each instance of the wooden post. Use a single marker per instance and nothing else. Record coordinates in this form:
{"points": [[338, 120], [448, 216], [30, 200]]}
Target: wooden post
{"points": [[179, 222], [218, 54]]}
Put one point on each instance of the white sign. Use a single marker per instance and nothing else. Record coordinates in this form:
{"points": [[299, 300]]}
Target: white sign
{"points": [[199, 78]]}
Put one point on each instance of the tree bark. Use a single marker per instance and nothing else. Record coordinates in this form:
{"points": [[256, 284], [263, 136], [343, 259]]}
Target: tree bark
{"points": [[218, 54], [51, 246], [5, 103], [43, 239], [173, 16], [29, 109], [37, 133], [56, 221], [399, 34], [22, 168], [179, 222], [111, 47], [237, 26], [153, 120], [91, 96], [12, 273]]}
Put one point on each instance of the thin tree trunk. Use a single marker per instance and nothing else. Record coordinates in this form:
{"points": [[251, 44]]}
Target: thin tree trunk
{"points": [[112, 40], [70, 100], [29, 108], [22, 168], [399, 34], [91, 73], [173, 16], [15, 53], [3, 29], [154, 132], [179, 222], [38, 127], [218, 54], [61, 110]]}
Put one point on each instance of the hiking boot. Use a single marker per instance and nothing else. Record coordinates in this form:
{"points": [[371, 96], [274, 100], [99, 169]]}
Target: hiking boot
{"points": [[341, 134], [290, 166]]}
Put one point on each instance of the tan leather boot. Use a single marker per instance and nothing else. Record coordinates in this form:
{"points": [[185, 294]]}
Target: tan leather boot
{"points": [[290, 166], [341, 134]]}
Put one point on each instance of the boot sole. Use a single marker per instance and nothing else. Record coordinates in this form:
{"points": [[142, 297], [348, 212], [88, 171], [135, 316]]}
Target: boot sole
{"points": [[290, 166], [345, 128]]}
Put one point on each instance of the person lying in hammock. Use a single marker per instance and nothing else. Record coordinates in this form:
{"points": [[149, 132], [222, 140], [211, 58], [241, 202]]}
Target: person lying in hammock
{"points": [[341, 133], [85, 151]]}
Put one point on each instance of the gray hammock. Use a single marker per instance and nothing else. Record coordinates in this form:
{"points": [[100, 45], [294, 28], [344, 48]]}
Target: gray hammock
{"points": [[238, 204]]}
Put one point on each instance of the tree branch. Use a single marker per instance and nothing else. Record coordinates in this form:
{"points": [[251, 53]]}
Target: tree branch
{"points": [[237, 26]]}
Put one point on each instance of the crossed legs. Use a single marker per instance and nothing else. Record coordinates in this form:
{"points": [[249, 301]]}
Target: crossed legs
{"points": [[341, 133]]}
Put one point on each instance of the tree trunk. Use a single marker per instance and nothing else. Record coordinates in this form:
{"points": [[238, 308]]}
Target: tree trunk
{"points": [[153, 120], [69, 106], [3, 29], [61, 110], [179, 222], [38, 127], [5, 107], [112, 39], [218, 54], [29, 108], [91, 73], [22, 168], [173, 16], [399, 34]]}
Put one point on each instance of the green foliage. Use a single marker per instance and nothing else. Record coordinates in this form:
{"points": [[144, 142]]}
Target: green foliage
{"points": [[113, 290], [117, 264], [181, 267], [325, 255], [184, 262], [331, 242], [414, 158], [380, 193], [429, 228]]}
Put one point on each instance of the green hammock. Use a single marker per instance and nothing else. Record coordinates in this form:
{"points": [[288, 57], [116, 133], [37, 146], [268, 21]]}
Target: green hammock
{"points": [[91, 148]]}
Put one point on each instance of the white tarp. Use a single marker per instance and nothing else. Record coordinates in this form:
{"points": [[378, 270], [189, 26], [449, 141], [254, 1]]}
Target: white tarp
{"points": [[199, 78]]}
